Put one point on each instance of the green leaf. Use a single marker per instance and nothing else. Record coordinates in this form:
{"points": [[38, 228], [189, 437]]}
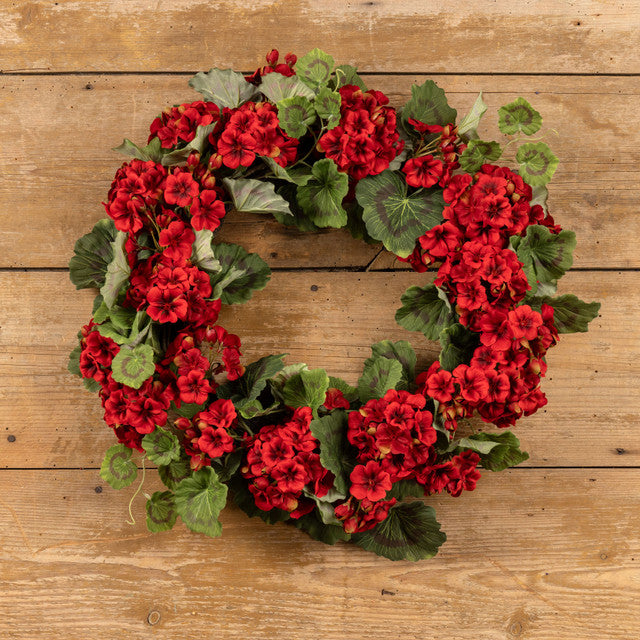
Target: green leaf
{"points": [[537, 163], [570, 314], [228, 464], [401, 351], [402, 489], [162, 447], [410, 532], [180, 156], [314, 68], [350, 393], [245, 500], [108, 330], [161, 511], [379, 375], [73, 365], [345, 74], [428, 104], [539, 195], [294, 175], [132, 366], [277, 87], [331, 432], [355, 224], [423, 309], [255, 196], [153, 151], [468, 125], [477, 153], [392, 216], [202, 255], [299, 218], [118, 271], [93, 253], [312, 524], [241, 273], [498, 451], [327, 106], [199, 501], [545, 256], [519, 115], [306, 389], [295, 115], [321, 197], [117, 467], [224, 87], [173, 473], [458, 345]]}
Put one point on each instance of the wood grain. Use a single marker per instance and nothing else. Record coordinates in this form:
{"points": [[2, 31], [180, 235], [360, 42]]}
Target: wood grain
{"points": [[378, 35], [535, 554], [594, 398]]}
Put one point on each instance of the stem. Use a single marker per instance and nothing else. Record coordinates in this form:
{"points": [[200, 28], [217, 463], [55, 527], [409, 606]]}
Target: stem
{"points": [[133, 497]]}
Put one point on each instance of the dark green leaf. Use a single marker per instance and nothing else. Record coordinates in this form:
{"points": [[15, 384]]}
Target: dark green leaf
{"points": [[477, 153], [277, 87], [298, 218], [91, 385], [379, 375], [295, 115], [331, 432], [118, 469], [74, 362], [498, 451], [255, 196], [570, 314], [132, 366], [428, 104], [537, 163], [224, 87], [161, 511], [245, 500], [345, 74], [393, 216], [93, 253], [458, 345], [519, 115], [321, 197], [424, 309], [410, 532], [314, 68], [313, 525], [306, 389], [350, 393], [173, 473], [162, 446], [153, 151], [401, 351], [402, 489]]}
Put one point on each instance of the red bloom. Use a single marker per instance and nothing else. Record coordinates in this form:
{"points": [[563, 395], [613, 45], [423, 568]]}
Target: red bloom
{"points": [[166, 305], [194, 387], [424, 171], [369, 481], [215, 442], [180, 189], [207, 211], [178, 239], [236, 148]]}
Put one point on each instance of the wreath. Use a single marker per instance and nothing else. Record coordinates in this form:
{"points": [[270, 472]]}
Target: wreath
{"points": [[305, 141]]}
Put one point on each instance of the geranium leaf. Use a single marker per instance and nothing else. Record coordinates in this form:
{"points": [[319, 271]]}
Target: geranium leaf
{"points": [[345, 74], [173, 473], [402, 489], [93, 253], [74, 362], [295, 175], [315, 68], [468, 125], [241, 273], [132, 366], [570, 314], [321, 197], [327, 106], [162, 446], [477, 153], [350, 393], [255, 196], [392, 216], [202, 255], [249, 386], [378, 376], [298, 217], [330, 431], [537, 163], [306, 389], [277, 87], [199, 501], [295, 115], [401, 351], [180, 156], [118, 271], [497, 451], [428, 104], [539, 195], [312, 525], [545, 256], [161, 511], [108, 330], [423, 309], [225, 87], [409, 532], [153, 151], [458, 345], [519, 115], [117, 467]]}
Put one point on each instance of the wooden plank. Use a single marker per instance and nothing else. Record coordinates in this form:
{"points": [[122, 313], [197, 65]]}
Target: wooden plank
{"points": [[381, 35], [530, 554], [594, 398], [58, 180]]}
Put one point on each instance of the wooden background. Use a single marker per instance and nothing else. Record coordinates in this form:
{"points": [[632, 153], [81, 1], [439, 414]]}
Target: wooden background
{"points": [[549, 550]]}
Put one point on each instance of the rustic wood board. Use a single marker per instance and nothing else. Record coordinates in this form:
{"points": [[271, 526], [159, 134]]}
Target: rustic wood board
{"points": [[535, 554], [595, 190]]}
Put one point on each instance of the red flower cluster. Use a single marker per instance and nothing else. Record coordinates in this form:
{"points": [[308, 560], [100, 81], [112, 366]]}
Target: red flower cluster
{"points": [[97, 353], [366, 140], [179, 124], [283, 459], [283, 68]]}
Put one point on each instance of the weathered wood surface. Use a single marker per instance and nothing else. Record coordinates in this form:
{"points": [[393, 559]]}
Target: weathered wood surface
{"points": [[594, 397], [59, 166], [535, 554], [379, 35]]}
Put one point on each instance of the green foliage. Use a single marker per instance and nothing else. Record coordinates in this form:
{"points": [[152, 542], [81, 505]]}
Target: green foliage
{"points": [[327, 106], [378, 376], [401, 351], [350, 393], [458, 345], [477, 153], [173, 473], [118, 271], [321, 196], [468, 125], [315, 68], [202, 255], [93, 254], [225, 87], [277, 87], [153, 151], [161, 511], [497, 451], [428, 104], [425, 309], [133, 365], [255, 196], [295, 115], [117, 467], [519, 115], [570, 314], [306, 389], [346, 74], [162, 447], [331, 432], [313, 525], [537, 163], [180, 156]]}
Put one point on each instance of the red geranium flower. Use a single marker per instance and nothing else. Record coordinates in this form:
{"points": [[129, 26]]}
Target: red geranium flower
{"points": [[369, 481]]}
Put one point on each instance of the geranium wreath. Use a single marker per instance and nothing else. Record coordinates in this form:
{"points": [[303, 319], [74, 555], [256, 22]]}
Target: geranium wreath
{"points": [[305, 141]]}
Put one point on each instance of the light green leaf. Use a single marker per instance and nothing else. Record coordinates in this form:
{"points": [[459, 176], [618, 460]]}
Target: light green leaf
{"points": [[327, 105], [344, 75], [392, 216], [162, 447], [519, 115], [458, 345], [315, 68], [401, 351], [539, 195], [224, 87], [470, 122], [161, 511], [295, 115], [277, 87], [306, 389], [117, 467], [108, 330], [294, 175], [180, 156], [428, 104], [498, 451], [331, 431], [153, 151], [173, 473], [379, 375], [93, 253], [477, 153], [132, 366], [255, 196], [537, 163], [424, 310], [199, 500], [118, 271], [321, 197], [410, 532], [202, 255]]}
